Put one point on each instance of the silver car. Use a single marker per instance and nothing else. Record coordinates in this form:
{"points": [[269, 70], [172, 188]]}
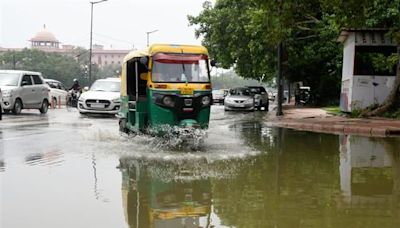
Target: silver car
{"points": [[239, 98], [103, 97], [23, 90]]}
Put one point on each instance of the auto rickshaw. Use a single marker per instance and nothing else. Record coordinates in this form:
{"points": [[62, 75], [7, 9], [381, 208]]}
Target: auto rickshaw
{"points": [[151, 199], [165, 86]]}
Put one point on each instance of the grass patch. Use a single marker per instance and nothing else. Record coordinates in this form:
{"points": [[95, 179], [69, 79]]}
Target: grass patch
{"points": [[394, 114], [334, 110]]}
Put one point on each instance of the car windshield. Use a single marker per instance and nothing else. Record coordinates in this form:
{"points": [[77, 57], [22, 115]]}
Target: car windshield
{"points": [[179, 68], [106, 86], [9, 79], [218, 92], [241, 92], [53, 85]]}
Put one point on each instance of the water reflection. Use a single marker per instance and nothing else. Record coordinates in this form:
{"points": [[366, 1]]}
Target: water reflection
{"points": [[369, 170], [49, 157], [153, 200]]}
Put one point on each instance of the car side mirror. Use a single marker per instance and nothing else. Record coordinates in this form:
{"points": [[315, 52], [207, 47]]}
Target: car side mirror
{"points": [[86, 88], [24, 83]]}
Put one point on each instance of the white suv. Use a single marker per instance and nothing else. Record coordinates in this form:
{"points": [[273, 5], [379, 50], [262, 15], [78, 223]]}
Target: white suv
{"points": [[23, 90]]}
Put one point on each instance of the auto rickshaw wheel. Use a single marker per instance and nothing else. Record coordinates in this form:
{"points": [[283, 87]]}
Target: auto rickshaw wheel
{"points": [[122, 128]]}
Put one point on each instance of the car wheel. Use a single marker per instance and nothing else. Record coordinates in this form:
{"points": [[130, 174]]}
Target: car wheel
{"points": [[6, 111], [45, 107], [17, 107]]}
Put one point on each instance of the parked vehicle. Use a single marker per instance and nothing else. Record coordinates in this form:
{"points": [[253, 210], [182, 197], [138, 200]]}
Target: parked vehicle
{"points": [[304, 97], [103, 97], [272, 95], [261, 97], [58, 92], [1, 106], [23, 90], [165, 87], [219, 95], [240, 98]]}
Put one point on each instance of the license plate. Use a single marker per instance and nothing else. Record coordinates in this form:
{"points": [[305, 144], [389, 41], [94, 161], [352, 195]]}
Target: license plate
{"points": [[97, 105], [187, 91], [241, 105]]}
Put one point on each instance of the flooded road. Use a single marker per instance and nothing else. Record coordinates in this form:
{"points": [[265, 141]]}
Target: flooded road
{"points": [[63, 170]]}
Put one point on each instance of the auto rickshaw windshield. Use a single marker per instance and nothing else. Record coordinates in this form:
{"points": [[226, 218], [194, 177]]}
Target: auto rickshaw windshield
{"points": [[180, 68]]}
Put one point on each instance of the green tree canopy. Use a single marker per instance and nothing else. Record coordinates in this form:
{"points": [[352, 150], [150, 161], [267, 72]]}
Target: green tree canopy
{"points": [[244, 34]]}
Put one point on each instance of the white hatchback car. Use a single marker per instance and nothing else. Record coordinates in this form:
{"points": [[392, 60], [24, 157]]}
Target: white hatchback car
{"points": [[58, 92], [23, 90], [103, 97]]}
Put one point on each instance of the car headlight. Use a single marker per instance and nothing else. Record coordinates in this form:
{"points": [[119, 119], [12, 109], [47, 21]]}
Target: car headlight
{"points": [[7, 93], [81, 99], [168, 101], [205, 100], [116, 100], [249, 101]]}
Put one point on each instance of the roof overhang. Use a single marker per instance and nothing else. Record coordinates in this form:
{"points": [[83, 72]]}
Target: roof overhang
{"points": [[344, 33]]}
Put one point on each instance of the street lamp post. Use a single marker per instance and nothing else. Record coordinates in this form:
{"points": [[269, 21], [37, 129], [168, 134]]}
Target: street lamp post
{"points": [[148, 33], [91, 37]]}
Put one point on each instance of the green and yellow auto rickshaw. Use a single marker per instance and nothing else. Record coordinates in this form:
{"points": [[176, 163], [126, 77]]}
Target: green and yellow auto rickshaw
{"points": [[165, 86]]}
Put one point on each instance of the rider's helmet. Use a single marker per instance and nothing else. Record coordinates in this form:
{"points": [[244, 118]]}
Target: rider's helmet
{"points": [[75, 81]]}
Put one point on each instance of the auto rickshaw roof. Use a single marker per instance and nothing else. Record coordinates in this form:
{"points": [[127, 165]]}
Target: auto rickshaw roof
{"points": [[166, 48]]}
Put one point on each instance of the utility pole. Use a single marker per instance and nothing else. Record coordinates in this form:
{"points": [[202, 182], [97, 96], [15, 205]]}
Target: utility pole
{"points": [[91, 38], [148, 39], [279, 80]]}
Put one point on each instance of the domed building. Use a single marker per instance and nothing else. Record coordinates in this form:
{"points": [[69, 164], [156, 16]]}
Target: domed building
{"points": [[44, 40]]}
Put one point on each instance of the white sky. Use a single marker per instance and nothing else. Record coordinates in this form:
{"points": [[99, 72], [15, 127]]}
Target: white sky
{"points": [[117, 24]]}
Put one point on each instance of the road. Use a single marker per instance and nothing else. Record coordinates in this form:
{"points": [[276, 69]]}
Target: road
{"points": [[66, 170]]}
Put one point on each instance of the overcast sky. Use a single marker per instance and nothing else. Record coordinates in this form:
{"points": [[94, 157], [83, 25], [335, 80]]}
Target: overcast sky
{"points": [[118, 24]]}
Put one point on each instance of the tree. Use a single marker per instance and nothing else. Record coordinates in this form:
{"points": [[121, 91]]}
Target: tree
{"points": [[245, 35], [63, 68], [51, 65], [378, 14]]}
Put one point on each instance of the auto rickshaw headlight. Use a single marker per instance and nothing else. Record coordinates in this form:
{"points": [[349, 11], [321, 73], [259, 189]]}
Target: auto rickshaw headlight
{"points": [[206, 100], [168, 101]]}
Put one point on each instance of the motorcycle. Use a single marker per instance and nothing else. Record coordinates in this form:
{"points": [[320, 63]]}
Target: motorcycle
{"points": [[72, 97]]}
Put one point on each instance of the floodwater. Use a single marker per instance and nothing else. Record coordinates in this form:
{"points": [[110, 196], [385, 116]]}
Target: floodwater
{"points": [[63, 170]]}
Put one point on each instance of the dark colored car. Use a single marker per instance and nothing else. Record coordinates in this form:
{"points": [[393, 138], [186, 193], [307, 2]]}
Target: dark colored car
{"points": [[260, 96]]}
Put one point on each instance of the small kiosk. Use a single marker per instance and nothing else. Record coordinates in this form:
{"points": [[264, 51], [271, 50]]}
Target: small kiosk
{"points": [[363, 84]]}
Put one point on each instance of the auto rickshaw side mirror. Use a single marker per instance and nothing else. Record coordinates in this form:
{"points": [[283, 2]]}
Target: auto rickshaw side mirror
{"points": [[213, 63], [144, 76], [144, 61]]}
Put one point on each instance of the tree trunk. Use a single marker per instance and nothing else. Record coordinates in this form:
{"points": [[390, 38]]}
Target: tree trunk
{"points": [[393, 97]]}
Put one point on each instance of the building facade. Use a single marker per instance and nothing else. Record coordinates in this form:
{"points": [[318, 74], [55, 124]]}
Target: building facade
{"points": [[46, 41]]}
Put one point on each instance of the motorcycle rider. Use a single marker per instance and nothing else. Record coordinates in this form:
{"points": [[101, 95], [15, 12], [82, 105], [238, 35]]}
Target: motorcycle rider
{"points": [[76, 87], [74, 92]]}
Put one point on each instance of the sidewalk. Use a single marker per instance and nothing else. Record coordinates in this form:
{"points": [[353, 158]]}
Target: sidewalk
{"points": [[318, 120]]}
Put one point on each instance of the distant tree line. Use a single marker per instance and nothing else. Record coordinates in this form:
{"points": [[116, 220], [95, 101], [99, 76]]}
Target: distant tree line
{"points": [[61, 67]]}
